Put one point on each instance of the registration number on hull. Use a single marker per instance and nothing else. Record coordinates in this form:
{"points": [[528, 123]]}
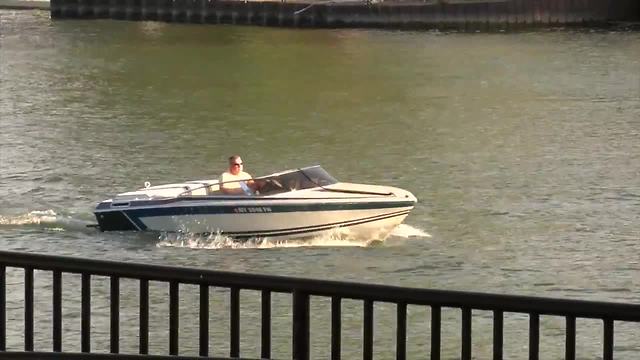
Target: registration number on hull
{"points": [[258, 209]]}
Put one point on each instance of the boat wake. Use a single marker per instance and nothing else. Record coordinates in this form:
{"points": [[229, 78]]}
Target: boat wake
{"points": [[47, 219], [219, 241], [336, 238], [407, 231]]}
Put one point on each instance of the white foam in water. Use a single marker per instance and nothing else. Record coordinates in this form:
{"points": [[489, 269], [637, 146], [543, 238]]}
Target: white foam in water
{"points": [[335, 238], [33, 217], [408, 231], [44, 218]]}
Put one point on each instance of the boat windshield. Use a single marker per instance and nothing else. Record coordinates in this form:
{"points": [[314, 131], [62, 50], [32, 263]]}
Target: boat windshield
{"points": [[290, 180], [318, 175], [306, 178]]}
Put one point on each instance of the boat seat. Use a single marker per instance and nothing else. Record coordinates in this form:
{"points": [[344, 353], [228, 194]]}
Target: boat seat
{"points": [[201, 191], [204, 187]]}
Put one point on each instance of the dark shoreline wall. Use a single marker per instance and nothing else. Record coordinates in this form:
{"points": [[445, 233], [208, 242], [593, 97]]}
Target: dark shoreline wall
{"points": [[443, 14]]}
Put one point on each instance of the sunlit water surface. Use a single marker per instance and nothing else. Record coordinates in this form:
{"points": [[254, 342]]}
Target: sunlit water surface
{"points": [[523, 149]]}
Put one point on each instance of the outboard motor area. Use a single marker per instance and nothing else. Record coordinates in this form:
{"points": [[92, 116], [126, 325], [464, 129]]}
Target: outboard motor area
{"points": [[114, 221]]}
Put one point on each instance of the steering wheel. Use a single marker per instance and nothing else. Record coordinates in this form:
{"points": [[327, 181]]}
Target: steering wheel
{"points": [[276, 183], [267, 185]]}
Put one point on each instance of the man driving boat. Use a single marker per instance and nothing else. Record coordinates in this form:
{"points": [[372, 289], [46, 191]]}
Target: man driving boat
{"points": [[235, 181]]}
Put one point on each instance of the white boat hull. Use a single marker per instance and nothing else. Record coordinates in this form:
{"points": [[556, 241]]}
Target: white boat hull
{"points": [[296, 207], [375, 224]]}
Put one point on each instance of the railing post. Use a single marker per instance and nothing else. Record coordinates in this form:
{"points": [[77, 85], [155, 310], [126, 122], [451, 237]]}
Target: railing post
{"points": [[570, 338], [174, 317], [367, 330], [234, 326], [607, 351], [204, 320], [144, 317], [498, 334], [435, 332], [3, 308], [336, 327], [265, 351], [85, 313], [534, 336], [300, 325], [57, 311], [28, 309], [401, 331], [466, 334], [115, 314]]}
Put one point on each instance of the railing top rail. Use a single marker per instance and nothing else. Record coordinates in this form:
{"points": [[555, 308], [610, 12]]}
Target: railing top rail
{"points": [[350, 290]]}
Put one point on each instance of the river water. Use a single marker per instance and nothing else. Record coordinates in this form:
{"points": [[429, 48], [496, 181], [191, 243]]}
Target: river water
{"points": [[523, 150]]}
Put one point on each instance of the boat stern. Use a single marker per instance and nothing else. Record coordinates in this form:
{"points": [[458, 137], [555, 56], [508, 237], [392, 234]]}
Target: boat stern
{"points": [[110, 219]]}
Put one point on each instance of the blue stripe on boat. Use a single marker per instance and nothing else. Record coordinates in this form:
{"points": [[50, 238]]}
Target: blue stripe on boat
{"points": [[236, 209]]}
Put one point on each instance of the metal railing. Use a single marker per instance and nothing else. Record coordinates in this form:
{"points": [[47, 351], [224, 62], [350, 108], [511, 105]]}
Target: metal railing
{"points": [[301, 290]]}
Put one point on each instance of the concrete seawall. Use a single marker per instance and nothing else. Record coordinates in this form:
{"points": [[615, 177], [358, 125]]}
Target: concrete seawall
{"points": [[442, 14], [25, 4]]}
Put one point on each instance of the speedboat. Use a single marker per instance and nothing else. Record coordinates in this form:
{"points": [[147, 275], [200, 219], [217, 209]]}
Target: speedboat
{"points": [[297, 203]]}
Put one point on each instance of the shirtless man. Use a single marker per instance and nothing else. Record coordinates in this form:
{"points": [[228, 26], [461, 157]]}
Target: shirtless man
{"points": [[234, 181]]}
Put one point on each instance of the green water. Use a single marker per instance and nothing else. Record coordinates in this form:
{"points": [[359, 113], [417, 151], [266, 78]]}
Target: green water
{"points": [[523, 149]]}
